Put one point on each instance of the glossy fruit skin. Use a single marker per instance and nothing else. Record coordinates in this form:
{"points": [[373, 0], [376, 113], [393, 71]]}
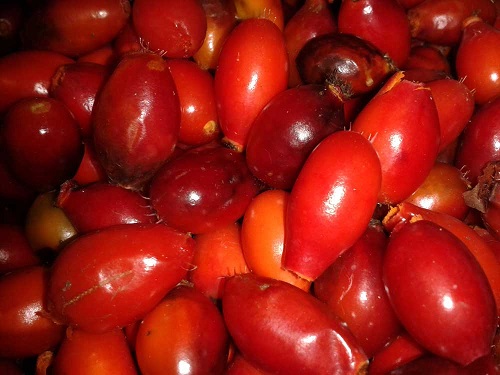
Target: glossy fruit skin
{"points": [[72, 27], [195, 86], [20, 78], [455, 106], [218, 255], [440, 21], [109, 352], [312, 332], [25, 328], [101, 205], [15, 250], [428, 57], [177, 29], [442, 191], [405, 135], [286, 131], [479, 141], [336, 188], [367, 19], [205, 188], [477, 59], [352, 287], [478, 246], [265, 9], [452, 312], [46, 225], [350, 65], [42, 141], [90, 169], [313, 18], [183, 334], [97, 275], [252, 69], [263, 237], [136, 125], [77, 85]]}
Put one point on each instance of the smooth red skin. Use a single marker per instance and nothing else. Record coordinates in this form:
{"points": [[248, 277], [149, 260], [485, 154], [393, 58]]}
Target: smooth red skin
{"points": [[368, 19], [192, 331], [218, 254], [42, 142], [480, 141], [221, 19], [429, 263], [442, 191], [403, 349], [76, 85], [15, 250], [427, 57], [127, 41], [407, 4], [241, 366], [105, 56], [455, 105], [402, 124], [253, 68], [21, 78], [481, 250], [430, 364], [440, 21], [336, 188], [175, 28], [207, 187], [136, 125], [476, 60], [287, 130], [25, 328], [352, 287], [313, 18], [73, 27], [90, 169], [113, 277], [298, 333], [83, 353], [195, 86], [101, 205]]}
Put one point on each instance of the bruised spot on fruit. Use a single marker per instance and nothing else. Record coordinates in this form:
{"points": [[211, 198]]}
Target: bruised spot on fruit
{"points": [[264, 286], [210, 127], [157, 65], [40, 107]]}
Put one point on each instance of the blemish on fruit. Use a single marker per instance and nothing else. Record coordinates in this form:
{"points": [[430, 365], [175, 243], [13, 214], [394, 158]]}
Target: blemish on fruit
{"points": [[40, 107], [156, 64]]}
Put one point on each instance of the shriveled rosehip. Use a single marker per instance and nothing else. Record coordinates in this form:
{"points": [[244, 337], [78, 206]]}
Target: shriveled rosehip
{"points": [[205, 188], [348, 63], [42, 142]]}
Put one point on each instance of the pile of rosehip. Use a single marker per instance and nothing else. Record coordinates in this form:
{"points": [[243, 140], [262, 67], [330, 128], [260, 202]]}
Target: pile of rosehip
{"points": [[249, 187]]}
